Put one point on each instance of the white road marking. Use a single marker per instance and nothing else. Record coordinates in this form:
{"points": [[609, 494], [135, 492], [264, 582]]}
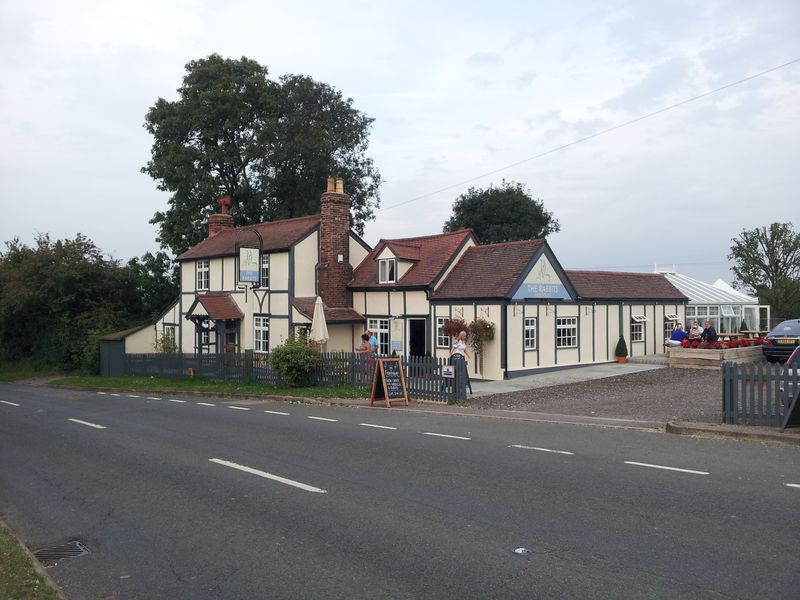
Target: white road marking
{"points": [[239, 407], [9, 403], [175, 400], [101, 393], [153, 398], [205, 404], [323, 419], [95, 425], [117, 395], [376, 426], [133, 396], [297, 484], [444, 435], [541, 449], [638, 464], [794, 485], [276, 412]]}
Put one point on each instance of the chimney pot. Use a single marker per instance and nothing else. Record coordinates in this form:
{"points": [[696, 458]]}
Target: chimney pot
{"points": [[331, 185], [339, 185]]}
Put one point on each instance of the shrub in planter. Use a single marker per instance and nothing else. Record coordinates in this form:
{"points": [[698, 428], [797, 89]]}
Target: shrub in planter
{"points": [[295, 360], [621, 350]]}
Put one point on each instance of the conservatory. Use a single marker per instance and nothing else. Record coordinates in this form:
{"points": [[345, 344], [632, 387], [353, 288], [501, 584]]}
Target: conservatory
{"points": [[730, 311]]}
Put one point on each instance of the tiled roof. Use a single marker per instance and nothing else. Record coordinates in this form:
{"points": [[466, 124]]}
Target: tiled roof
{"points": [[435, 253], [612, 285], [403, 250], [278, 235], [332, 315], [220, 307], [488, 271]]}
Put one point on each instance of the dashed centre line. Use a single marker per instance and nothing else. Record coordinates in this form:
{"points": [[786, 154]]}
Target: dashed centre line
{"points": [[324, 419], [444, 435], [152, 398], [238, 407], [638, 464], [9, 403], [133, 396], [541, 449], [793, 485], [95, 425], [205, 404], [176, 400], [277, 412], [101, 393], [117, 395], [376, 426], [265, 475]]}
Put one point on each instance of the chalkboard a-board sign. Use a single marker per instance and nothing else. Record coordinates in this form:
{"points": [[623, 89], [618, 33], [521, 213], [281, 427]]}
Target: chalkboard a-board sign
{"points": [[388, 382]]}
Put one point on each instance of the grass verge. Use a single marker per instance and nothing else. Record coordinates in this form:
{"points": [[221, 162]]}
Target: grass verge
{"points": [[18, 578], [251, 388], [17, 371]]}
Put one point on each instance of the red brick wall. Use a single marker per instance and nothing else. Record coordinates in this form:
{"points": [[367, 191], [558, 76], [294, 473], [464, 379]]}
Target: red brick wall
{"points": [[333, 276], [218, 222]]}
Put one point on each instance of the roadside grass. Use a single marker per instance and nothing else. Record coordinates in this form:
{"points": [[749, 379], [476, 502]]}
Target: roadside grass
{"points": [[18, 579], [185, 385], [20, 370]]}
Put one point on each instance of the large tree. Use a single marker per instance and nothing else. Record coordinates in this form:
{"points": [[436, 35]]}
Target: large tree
{"points": [[767, 261], [268, 144], [502, 214]]}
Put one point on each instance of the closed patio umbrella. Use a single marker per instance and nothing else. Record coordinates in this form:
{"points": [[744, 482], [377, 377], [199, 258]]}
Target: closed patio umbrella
{"points": [[319, 328]]}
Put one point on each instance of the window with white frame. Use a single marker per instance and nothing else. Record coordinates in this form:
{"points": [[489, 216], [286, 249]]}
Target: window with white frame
{"points": [[386, 270], [169, 333], [669, 325], [442, 340], [265, 270], [260, 334], [566, 332], [380, 329], [529, 333], [202, 273], [637, 327]]}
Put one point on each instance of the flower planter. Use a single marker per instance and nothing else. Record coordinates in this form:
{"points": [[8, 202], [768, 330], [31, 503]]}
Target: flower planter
{"points": [[622, 359], [701, 358]]}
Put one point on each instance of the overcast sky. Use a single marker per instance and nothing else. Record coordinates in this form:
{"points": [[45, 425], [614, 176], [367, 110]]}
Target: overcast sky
{"points": [[457, 90]]}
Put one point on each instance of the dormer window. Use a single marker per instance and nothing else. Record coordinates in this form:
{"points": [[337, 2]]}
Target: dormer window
{"points": [[386, 270]]}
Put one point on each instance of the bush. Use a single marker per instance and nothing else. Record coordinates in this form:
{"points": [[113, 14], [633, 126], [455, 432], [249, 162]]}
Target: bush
{"points": [[295, 360], [622, 347]]}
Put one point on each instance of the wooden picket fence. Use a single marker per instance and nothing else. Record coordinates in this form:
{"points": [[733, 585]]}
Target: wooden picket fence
{"points": [[423, 374], [757, 394]]}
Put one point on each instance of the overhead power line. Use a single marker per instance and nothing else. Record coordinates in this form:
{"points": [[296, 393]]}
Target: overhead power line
{"points": [[592, 136]]}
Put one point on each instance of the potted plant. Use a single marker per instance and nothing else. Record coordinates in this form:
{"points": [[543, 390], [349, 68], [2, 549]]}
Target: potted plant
{"points": [[621, 351]]}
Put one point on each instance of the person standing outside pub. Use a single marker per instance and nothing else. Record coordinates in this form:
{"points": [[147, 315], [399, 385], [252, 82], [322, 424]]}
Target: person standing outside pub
{"points": [[458, 352], [373, 341]]}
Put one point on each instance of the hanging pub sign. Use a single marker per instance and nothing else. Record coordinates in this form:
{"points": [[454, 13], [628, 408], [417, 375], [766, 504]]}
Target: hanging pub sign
{"points": [[388, 382], [248, 265]]}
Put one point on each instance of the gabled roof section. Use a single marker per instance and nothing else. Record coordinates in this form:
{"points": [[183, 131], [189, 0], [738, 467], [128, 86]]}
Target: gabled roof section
{"points": [[490, 271], [613, 285], [435, 253], [216, 306], [332, 315], [700, 292], [405, 251], [278, 235]]}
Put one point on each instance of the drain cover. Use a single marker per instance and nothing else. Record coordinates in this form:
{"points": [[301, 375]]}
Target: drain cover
{"points": [[55, 553]]}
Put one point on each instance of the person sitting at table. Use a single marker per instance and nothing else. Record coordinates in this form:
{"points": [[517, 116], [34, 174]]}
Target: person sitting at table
{"points": [[696, 332], [709, 334], [678, 335]]}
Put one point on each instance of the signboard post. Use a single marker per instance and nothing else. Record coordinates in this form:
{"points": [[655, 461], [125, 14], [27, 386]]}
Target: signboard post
{"points": [[388, 382]]}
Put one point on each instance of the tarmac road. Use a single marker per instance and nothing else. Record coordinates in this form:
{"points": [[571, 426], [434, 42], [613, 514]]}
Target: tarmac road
{"points": [[186, 497]]}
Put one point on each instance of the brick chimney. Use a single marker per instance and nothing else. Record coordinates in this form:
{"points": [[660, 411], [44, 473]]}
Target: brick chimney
{"points": [[221, 220], [334, 271]]}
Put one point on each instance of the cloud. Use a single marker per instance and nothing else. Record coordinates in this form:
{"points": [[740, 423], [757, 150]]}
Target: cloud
{"points": [[484, 59], [662, 80]]}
